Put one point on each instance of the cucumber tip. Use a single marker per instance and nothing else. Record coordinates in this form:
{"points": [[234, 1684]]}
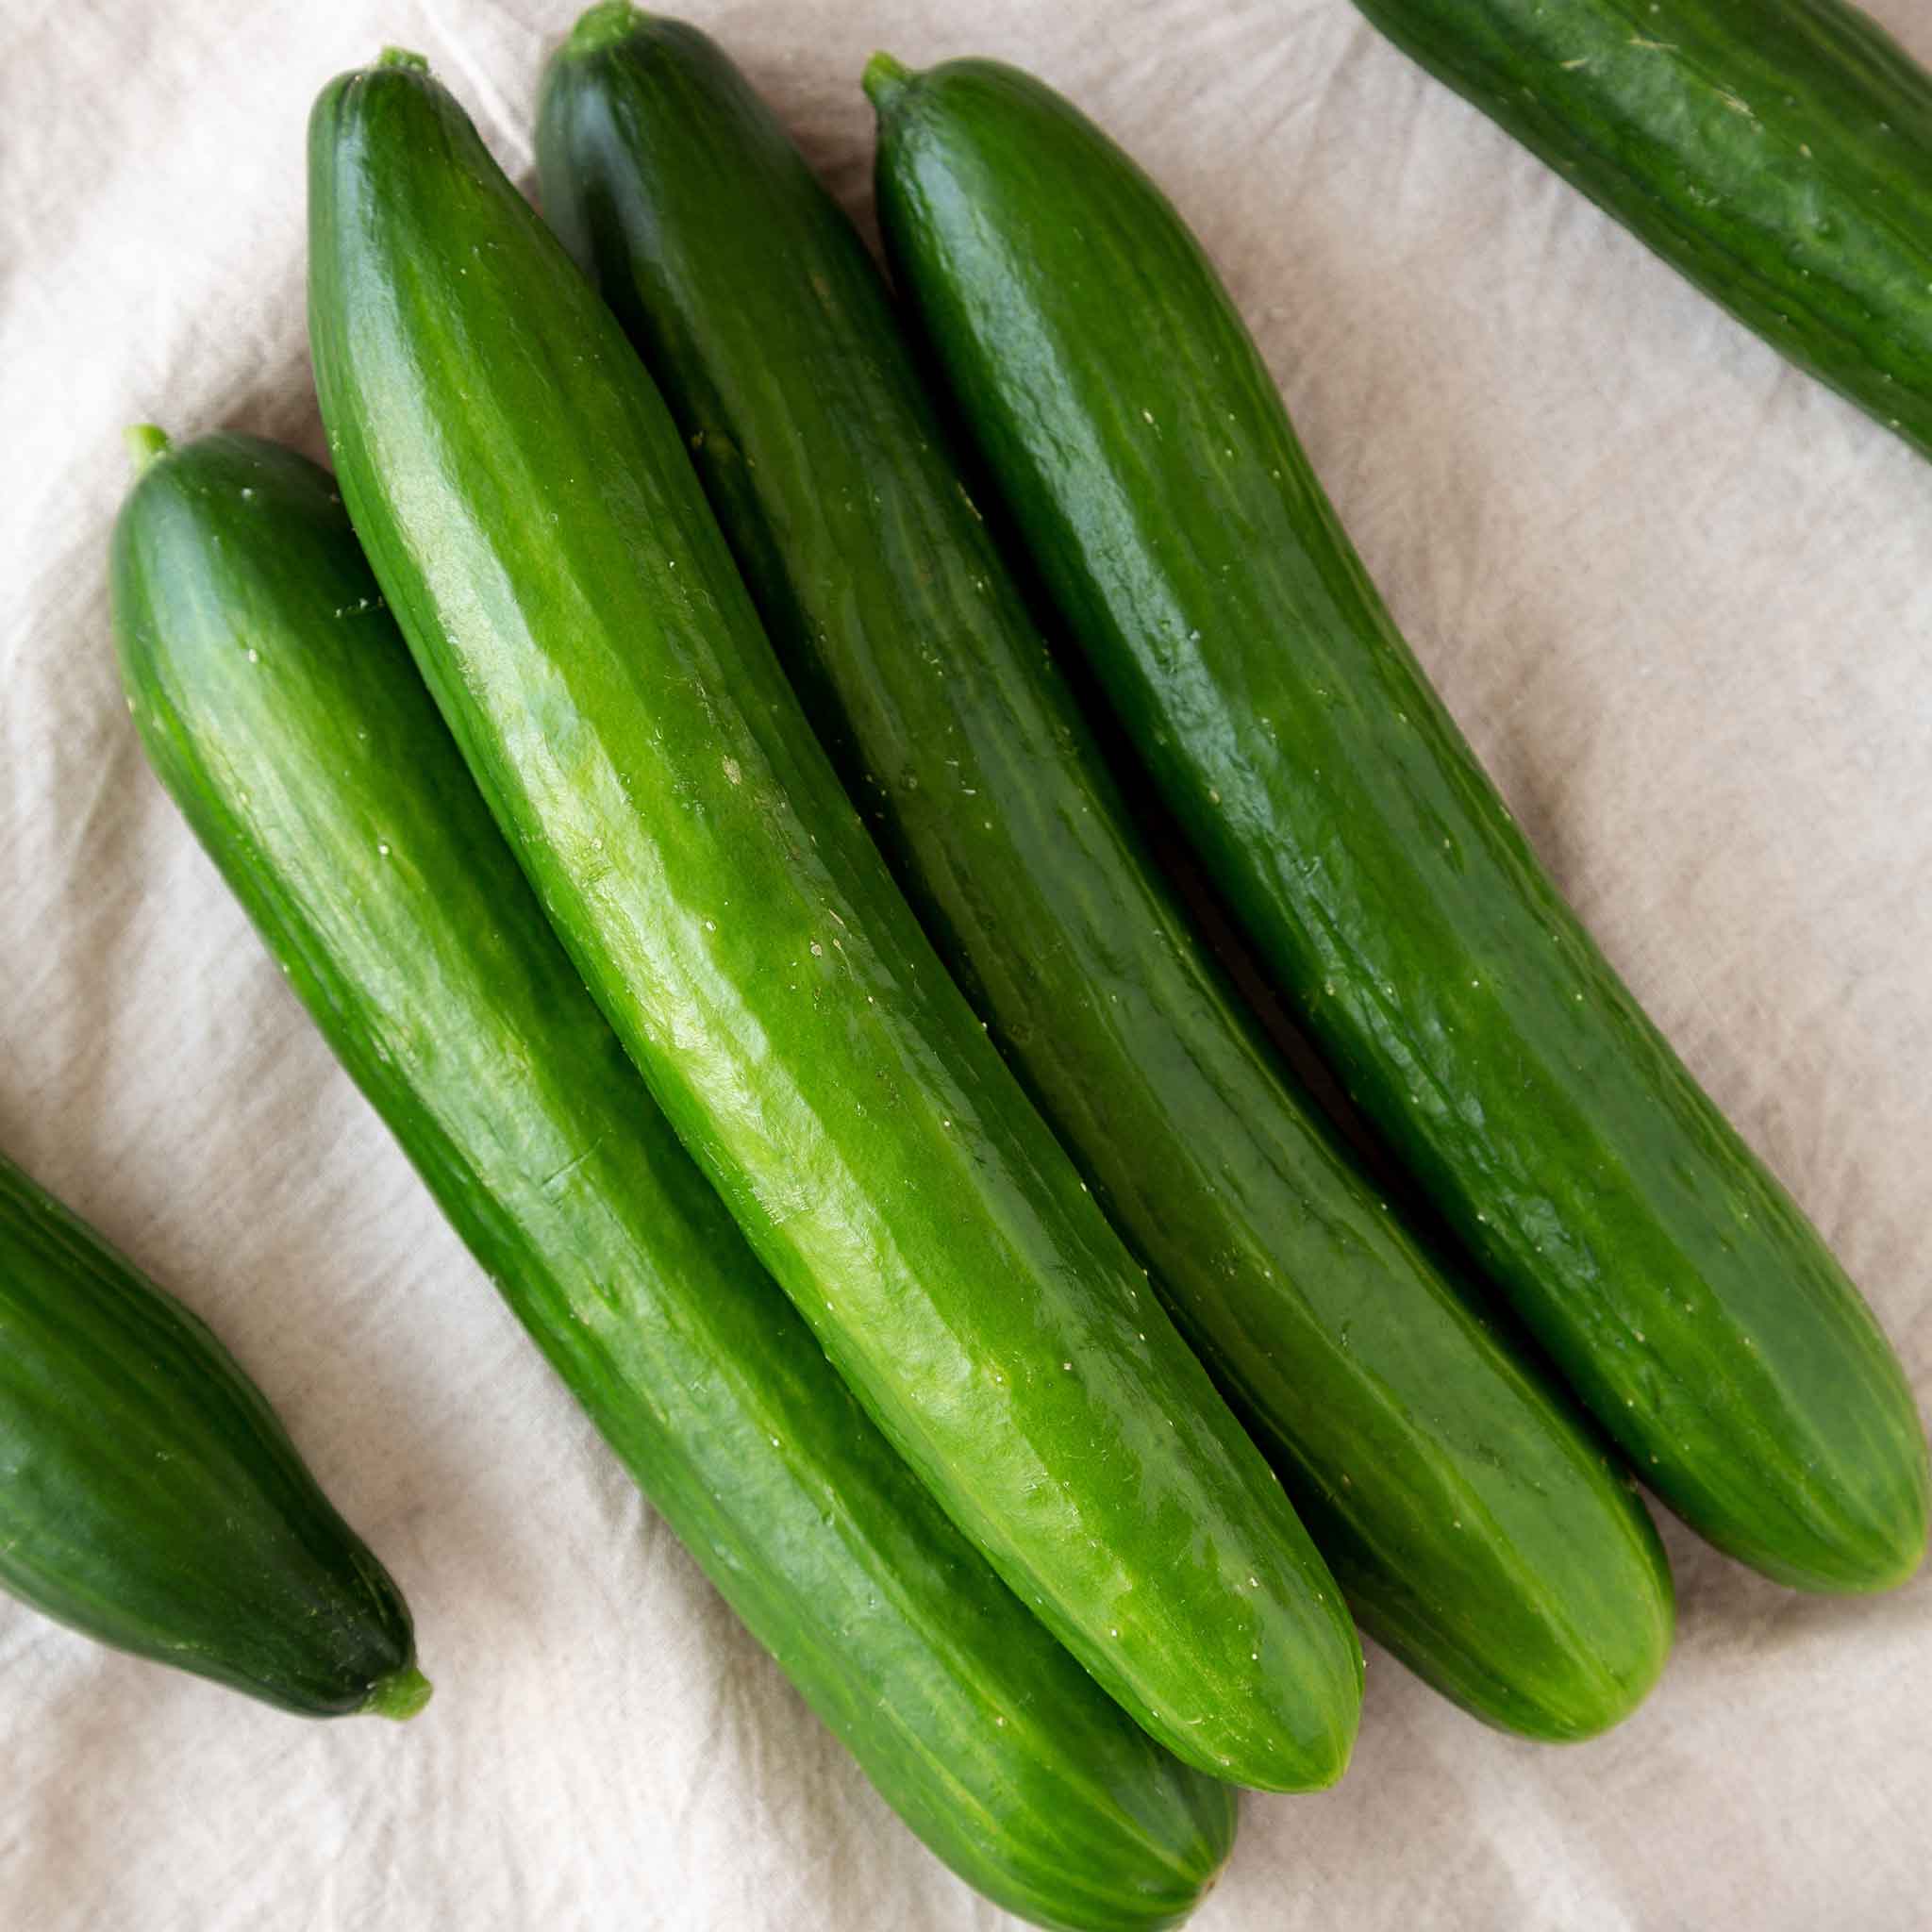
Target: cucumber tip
{"points": [[398, 1696], [885, 80], [146, 446], [603, 25]]}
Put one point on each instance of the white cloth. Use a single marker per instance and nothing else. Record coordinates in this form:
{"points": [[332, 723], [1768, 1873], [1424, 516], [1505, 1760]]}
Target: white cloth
{"points": [[1679, 597]]}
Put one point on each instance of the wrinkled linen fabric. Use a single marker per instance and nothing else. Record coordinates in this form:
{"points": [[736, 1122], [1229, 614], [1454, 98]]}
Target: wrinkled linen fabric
{"points": [[1680, 599]]}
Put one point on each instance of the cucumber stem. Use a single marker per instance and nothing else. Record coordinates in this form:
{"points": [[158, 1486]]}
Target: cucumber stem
{"points": [[884, 80], [400, 1695], [145, 445], [603, 25], [401, 56]]}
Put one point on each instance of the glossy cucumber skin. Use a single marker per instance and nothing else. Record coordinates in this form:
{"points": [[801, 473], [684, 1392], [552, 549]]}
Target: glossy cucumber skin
{"points": [[529, 507], [1475, 1526], [1143, 449], [281, 709], [1778, 153], [150, 1498]]}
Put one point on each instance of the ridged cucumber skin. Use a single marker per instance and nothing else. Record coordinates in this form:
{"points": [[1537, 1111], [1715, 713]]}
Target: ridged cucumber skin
{"points": [[282, 713], [1144, 453], [150, 1498], [1778, 153], [1475, 1527], [529, 507]]}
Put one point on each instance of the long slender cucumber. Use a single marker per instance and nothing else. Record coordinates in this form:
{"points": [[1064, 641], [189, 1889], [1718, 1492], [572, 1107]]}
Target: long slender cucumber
{"points": [[280, 708], [1778, 153], [1142, 449], [526, 503], [150, 1498], [1473, 1524]]}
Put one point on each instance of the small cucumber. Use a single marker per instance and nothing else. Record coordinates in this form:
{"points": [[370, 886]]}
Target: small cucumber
{"points": [[280, 708], [150, 1498], [1475, 1526], [529, 509], [1144, 450]]}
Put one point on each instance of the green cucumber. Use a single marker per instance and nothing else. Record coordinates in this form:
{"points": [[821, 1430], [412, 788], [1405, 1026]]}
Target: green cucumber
{"points": [[150, 1498], [1142, 450], [1778, 153], [526, 503], [280, 708], [1473, 1525]]}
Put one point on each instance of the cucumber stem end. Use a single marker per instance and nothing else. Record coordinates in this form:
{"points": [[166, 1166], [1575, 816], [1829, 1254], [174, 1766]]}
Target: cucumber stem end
{"points": [[884, 80], [146, 446], [400, 1695], [603, 25]]}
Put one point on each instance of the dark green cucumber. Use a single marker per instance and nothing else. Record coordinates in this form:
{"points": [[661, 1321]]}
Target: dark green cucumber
{"points": [[529, 507], [281, 710], [1473, 1525], [150, 1498], [1776, 152], [1144, 454]]}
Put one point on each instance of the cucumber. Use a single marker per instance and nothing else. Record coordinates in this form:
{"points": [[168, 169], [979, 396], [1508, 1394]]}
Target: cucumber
{"points": [[1776, 152], [281, 710], [150, 1498], [527, 506], [1472, 1524], [1144, 450]]}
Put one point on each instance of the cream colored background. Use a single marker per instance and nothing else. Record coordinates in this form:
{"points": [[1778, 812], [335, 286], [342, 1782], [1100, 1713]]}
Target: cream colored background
{"points": [[1680, 597]]}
